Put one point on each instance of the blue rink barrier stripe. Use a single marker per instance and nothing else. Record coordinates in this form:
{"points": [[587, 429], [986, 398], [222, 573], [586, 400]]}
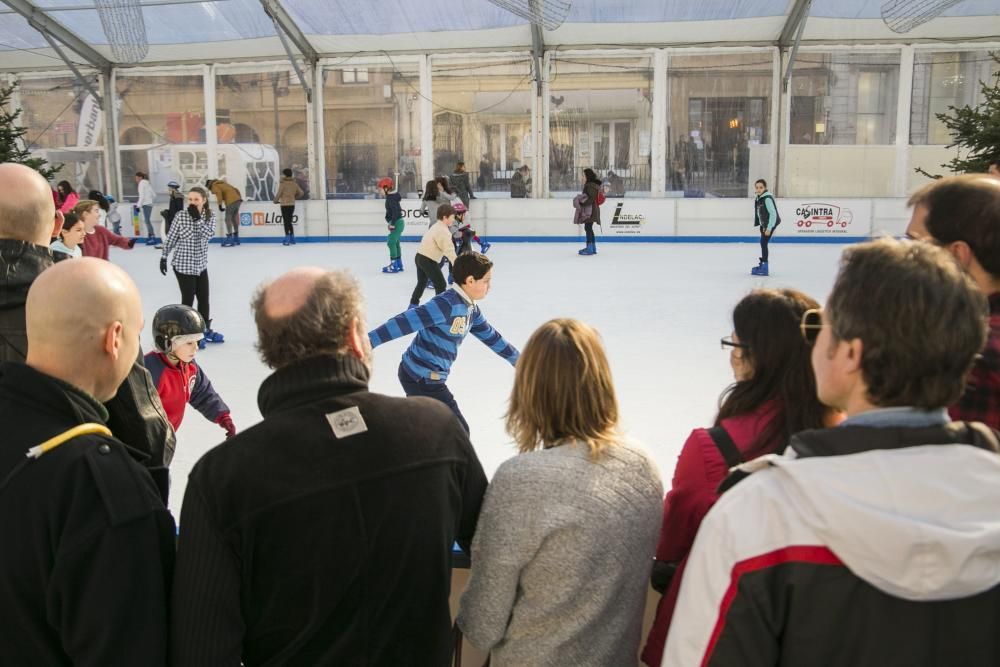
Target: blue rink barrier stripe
{"points": [[575, 239]]}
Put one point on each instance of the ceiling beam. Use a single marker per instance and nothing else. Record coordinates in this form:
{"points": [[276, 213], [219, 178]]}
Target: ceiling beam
{"points": [[288, 25], [43, 23], [796, 16]]}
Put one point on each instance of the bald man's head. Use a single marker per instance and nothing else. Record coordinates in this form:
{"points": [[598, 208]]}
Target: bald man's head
{"points": [[26, 208], [84, 318], [307, 312]]}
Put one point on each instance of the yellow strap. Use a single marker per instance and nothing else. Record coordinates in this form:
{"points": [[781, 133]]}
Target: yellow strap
{"points": [[76, 431]]}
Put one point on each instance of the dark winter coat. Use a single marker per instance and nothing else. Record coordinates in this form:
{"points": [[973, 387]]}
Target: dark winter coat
{"points": [[136, 415], [175, 206], [20, 263], [590, 189], [393, 207], [88, 546], [322, 535], [462, 186]]}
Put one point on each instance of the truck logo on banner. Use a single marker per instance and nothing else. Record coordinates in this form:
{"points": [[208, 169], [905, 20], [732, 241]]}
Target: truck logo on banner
{"points": [[822, 218], [626, 223]]}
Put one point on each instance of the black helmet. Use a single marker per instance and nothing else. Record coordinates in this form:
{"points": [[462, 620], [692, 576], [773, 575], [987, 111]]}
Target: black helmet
{"points": [[175, 320]]}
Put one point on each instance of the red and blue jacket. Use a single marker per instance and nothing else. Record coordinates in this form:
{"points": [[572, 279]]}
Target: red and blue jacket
{"points": [[181, 384]]}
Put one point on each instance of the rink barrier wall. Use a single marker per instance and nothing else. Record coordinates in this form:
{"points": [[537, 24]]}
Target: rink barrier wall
{"points": [[629, 220]]}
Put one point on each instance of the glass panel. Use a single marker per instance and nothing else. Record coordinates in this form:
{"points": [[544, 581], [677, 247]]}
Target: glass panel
{"points": [[600, 116], [261, 129], [482, 117], [65, 126], [942, 80], [718, 123], [165, 116], [372, 128], [843, 98]]}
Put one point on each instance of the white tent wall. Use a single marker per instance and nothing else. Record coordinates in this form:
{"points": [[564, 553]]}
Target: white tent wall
{"points": [[876, 164]]}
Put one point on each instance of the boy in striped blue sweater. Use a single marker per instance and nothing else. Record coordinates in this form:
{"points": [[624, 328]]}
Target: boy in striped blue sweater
{"points": [[441, 325]]}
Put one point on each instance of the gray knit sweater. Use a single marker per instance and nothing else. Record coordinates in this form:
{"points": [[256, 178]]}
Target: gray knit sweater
{"points": [[561, 558]]}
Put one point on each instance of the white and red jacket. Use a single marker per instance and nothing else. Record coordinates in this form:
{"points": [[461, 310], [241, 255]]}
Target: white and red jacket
{"points": [[861, 546]]}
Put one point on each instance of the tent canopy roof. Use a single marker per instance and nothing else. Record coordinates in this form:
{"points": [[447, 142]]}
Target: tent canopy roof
{"points": [[223, 30]]}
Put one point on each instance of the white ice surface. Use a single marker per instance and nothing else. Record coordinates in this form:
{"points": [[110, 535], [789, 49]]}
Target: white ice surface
{"points": [[661, 309]]}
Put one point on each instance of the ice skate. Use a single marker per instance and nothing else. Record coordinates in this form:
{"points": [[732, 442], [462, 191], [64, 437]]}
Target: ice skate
{"points": [[484, 246]]}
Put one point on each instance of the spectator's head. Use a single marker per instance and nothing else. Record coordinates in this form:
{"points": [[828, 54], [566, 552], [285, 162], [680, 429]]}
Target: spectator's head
{"points": [[962, 215], [993, 169], [72, 231], [64, 189], [89, 211], [563, 392], [140, 176], [27, 212], [473, 272], [902, 327], [287, 173], [459, 167], [310, 312], [770, 361], [87, 336]]}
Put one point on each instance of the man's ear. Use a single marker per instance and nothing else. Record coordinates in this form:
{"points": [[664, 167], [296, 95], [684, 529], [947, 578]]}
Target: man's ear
{"points": [[962, 253], [855, 350], [355, 339], [57, 224], [113, 339]]}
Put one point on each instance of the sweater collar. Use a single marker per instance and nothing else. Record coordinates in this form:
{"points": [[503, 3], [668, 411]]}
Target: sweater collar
{"points": [[310, 380]]}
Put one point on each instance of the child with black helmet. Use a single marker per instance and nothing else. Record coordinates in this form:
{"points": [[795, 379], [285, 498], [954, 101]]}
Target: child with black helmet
{"points": [[394, 219], [178, 332]]}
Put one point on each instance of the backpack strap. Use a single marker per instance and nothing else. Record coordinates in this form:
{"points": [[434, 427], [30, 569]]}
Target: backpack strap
{"points": [[730, 453]]}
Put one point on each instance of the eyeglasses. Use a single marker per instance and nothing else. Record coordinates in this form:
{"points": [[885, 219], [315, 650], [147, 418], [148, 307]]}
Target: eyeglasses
{"points": [[812, 322], [727, 341]]}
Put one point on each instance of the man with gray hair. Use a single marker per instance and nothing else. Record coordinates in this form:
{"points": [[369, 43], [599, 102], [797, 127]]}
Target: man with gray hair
{"points": [[28, 221], [323, 535]]}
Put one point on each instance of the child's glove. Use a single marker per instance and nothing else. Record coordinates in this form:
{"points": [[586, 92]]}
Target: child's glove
{"points": [[226, 422], [163, 265]]}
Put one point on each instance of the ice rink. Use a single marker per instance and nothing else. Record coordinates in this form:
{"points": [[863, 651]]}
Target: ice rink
{"points": [[661, 309]]}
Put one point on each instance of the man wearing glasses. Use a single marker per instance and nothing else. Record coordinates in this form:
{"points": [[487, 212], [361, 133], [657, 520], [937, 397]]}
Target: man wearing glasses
{"points": [[875, 542]]}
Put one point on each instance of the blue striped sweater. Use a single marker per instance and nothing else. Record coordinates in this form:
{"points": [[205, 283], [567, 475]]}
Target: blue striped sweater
{"points": [[441, 325]]}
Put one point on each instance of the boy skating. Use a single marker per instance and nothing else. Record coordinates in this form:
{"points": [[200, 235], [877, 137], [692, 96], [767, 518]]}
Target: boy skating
{"points": [[441, 325]]}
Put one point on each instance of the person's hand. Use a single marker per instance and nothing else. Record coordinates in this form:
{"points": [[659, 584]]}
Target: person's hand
{"points": [[222, 208], [131, 243], [163, 265], [226, 422], [392, 228]]}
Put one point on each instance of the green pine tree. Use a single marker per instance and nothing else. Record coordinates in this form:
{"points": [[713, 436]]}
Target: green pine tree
{"points": [[974, 129], [12, 143]]}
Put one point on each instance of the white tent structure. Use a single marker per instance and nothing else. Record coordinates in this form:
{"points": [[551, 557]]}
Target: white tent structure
{"points": [[666, 100]]}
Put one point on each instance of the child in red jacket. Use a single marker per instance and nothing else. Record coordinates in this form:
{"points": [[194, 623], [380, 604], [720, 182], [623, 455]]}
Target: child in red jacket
{"points": [[179, 381]]}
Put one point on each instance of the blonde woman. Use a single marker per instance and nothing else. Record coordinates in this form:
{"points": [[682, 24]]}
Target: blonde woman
{"points": [[568, 527]]}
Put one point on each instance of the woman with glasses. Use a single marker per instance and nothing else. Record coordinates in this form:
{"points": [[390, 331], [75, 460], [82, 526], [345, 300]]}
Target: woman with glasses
{"points": [[562, 550], [774, 396]]}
